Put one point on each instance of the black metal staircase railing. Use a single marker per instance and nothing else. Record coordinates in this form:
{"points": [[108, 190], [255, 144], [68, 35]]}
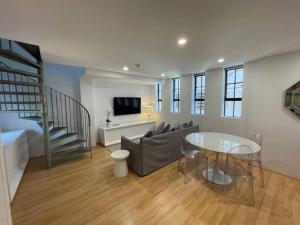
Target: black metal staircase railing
{"points": [[65, 121]]}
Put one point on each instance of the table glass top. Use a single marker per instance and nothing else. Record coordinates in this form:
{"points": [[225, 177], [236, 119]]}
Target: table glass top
{"points": [[220, 142]]}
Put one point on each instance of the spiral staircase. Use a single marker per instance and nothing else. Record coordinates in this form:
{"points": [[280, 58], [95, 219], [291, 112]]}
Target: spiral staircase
{"points": [[64, 121]]}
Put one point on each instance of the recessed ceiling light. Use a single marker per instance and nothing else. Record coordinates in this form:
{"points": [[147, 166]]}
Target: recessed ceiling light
{"points": [[182, 41], [221, 60], [125, 68], [162, 75]]}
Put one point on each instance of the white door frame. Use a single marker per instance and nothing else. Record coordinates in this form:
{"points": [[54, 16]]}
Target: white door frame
{"points": [[5, 214]]}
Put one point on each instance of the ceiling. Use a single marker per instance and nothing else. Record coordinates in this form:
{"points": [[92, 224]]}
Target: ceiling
{"points": [[108, 34]]}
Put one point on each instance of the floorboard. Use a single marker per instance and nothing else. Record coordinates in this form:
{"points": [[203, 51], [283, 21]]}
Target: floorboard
{"points": [[84, 191]]}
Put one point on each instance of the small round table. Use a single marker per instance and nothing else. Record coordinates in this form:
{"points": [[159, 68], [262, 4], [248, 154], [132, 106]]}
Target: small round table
{"points": [[219, 143], [120, 157]]}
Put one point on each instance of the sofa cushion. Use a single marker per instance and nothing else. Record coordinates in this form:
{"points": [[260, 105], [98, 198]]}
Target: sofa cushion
{"points": [[149, 133], [167, 129], [159, 129], [186, 125], [176, 127]]}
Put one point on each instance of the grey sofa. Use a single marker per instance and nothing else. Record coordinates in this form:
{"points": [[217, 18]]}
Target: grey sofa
{"points": [[155, 152]]}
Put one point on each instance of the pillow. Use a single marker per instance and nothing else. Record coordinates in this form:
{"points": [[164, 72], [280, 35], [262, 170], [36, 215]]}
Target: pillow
{"points": [[159, 129], [176, 127], [184, 125], [167, 129], [148, 133]]}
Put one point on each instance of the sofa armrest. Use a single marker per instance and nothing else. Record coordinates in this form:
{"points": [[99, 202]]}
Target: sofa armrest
{"points": [[135, 159], [129, 144]]}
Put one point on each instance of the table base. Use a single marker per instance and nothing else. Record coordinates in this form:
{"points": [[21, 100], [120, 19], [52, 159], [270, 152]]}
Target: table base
{"points": [[217, 177]]}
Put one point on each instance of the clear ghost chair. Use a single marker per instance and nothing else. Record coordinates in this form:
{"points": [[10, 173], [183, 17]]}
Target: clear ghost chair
{"points": [[191, 153], [239, 164], [257, 138]]}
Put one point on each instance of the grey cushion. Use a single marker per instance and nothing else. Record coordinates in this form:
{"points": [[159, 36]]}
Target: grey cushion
{"points": [[167, 129], [159, 129], [149, 133], [186, 125], [176, 127]]}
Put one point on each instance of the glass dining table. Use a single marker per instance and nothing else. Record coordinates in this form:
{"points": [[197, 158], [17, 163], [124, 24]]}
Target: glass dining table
{"points": [[220, 143]]}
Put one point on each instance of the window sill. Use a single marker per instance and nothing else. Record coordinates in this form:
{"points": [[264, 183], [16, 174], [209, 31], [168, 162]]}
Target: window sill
{"points": [[231, 118], [198, 115]]}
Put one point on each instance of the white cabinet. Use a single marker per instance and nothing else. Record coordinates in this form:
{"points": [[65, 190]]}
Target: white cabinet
{"points": [[16, 157], [112, 135]]}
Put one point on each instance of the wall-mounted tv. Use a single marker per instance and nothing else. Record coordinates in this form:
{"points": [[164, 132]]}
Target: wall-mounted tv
{"points": [[126, 105]]}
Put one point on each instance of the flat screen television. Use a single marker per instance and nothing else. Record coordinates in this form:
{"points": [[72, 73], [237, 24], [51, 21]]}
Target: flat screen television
{"points": [[126, 105]]}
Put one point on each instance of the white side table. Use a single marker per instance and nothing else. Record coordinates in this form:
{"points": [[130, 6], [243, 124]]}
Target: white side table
{"points": [[120, 157]]}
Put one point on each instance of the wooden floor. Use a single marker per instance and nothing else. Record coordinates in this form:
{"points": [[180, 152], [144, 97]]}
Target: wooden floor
{"points": [[84, 191]]}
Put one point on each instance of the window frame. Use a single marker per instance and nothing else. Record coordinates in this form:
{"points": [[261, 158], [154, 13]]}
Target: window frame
{"points": [[195, 99], [159, 97], [173, 94], [234, 99]]}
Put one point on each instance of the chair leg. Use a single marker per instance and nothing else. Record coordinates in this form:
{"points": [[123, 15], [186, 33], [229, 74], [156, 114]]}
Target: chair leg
{"points": [[206, 159], [250, 181], [251, 190], [261, 173], [185, 172], [178, 165]]}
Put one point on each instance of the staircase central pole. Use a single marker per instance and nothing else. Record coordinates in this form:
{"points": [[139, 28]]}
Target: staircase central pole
{"points": [[43, 96]]}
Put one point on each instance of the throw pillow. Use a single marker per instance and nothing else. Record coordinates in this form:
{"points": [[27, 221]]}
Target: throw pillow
{"points": [[184, 125], [167, 129], [148, 133], [159, 129], [176, 127], [190, 124]]}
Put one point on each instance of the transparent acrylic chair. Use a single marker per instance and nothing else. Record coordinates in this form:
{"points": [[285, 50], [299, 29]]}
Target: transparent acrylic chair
{"points": [[257, 138], [191, 153], [238, 164]]}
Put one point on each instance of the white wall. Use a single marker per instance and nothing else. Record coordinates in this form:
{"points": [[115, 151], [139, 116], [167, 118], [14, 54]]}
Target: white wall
{"points": [[265, 81], [61, 77], [97, 95]]}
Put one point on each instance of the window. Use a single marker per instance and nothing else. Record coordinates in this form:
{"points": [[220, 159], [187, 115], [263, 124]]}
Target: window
{"points": [[158, 97], [175, 107], [199, 93], [233, 91]]}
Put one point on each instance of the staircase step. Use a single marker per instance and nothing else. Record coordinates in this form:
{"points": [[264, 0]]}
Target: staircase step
{"points": [[21, 110], [18, 93], [20, 103], [31, 84], [40, 123], [18, 58], [70, 154], [12, 70], [35, 118], [56, 130], [64, 136], [67, 145]]}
